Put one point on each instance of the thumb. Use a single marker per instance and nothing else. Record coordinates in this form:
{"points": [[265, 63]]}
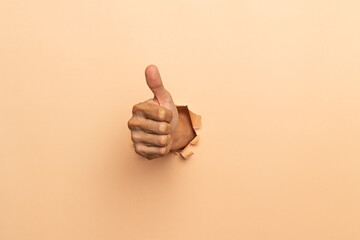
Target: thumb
{"points": [[154, 82]]}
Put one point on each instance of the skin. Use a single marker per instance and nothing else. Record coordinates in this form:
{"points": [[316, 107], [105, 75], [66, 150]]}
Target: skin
{"points": [[157, 126]]}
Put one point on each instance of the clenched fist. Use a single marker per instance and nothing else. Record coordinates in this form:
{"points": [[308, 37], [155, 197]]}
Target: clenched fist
{"points": [[157, 125]]}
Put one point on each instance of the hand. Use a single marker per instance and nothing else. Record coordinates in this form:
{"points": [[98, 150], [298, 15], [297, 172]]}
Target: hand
{"points": [[156, 126]]}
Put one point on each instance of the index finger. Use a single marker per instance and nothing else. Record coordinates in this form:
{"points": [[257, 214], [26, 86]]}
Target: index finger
{"points": [[153, 111]]}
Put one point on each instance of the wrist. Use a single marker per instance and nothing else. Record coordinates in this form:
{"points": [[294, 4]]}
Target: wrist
{"points": [[184, 132]]}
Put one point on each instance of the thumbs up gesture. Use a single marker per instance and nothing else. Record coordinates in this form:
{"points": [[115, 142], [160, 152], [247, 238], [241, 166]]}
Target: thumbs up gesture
{"points": [[156, 126]]}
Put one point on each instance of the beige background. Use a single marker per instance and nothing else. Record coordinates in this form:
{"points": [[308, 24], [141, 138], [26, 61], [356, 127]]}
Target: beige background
{"points": [[277, 83]]}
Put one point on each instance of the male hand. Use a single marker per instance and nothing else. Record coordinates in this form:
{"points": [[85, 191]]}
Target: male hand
{"points": [[156, 125]]}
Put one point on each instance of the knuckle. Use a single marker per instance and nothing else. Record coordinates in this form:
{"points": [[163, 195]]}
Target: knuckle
{"points": [[137, 149], [131, 123], [134, 123], [162, 151], [161, 113], [163, 127], [135, 137], [136, 108], [164, 140]]}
